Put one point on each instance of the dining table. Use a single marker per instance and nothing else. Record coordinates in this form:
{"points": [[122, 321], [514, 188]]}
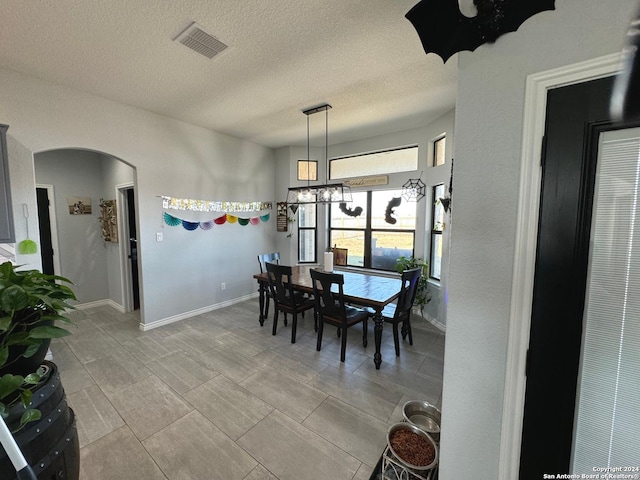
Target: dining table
{"points": [[360, 288]]}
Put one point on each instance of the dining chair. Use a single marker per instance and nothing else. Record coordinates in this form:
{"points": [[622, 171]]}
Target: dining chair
{"points": [[331, 308], [263, 258], [286, 299], [401, 311]]}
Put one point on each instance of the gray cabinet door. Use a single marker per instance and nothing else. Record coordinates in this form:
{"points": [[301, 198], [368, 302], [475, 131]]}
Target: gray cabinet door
{"points": [[7, 234]]}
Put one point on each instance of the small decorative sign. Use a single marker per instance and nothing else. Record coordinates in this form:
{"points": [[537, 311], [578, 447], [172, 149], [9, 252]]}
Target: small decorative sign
{"points": [[367, 181], [282, 223]]}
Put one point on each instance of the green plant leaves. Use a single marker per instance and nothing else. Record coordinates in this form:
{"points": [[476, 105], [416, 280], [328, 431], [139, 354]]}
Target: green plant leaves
{"points": [[13, 298], [5, 324], [30, 415], [32, 379], [9, 384], [4, 355], [48, 332]]}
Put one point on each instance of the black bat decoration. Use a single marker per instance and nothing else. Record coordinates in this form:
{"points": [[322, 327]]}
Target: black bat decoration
{"points": [[355, 212], [444, 30], [393, 203]]}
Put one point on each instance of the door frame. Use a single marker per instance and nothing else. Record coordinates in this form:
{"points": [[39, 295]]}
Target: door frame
{"points": [[537, 86], [54, 226], [123, 226]]}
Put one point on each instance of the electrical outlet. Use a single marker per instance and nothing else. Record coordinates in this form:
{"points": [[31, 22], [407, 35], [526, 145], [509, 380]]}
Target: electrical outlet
{"points": [[159, 237], [223, 286]]}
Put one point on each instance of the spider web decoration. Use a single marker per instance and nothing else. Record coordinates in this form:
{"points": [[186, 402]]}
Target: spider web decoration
{"points": [[413, 190]]}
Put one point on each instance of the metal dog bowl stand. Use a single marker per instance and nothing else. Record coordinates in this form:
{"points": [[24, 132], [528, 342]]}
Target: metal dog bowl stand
{"points": [[393, 469]]}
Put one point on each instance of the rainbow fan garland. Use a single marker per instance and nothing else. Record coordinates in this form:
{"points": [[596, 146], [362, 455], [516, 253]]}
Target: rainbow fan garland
{"points": [[208, 225]]}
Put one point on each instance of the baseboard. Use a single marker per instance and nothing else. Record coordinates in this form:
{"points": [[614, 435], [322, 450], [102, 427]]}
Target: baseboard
{"points": [[176, 318], [100, 303], [440, 326]]}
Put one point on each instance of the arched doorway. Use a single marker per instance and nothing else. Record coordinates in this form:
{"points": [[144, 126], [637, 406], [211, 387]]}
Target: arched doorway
{"points": [[96, 262]]}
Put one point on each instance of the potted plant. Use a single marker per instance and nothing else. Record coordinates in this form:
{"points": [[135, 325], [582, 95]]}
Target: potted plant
{"points": [[30, 303], [422, 295]]}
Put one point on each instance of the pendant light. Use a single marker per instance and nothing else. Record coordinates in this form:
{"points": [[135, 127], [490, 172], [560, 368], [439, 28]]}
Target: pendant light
{"points": [[328, 192]]}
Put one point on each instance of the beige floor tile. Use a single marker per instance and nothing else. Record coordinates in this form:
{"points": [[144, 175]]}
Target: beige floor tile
{"points": [[359, 392], [230, 363], [406, 380], [91, 345], [151, 347], [308, 456], [364, 472], [194, 448], [247, 384], [194, 341], [95, 415], [117, 371], [148, 406], [260, 473], [285, 393], [300, 366], [118, 456], [230, 407], [349, 428], [181, 371]]}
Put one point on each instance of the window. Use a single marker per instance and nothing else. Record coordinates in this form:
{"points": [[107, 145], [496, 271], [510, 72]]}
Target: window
{"points": [[376, 228], [438, 151], [437, 214], [307, 221], [307, 170], [388, 161]]}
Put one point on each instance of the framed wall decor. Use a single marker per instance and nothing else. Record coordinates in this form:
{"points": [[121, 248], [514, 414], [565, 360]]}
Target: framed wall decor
{"points": [[340, 256], [109, 220], [79, 205]]}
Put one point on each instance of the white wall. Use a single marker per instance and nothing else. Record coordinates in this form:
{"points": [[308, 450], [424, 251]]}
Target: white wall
{"points": [[171, 158], [489, 121], [23, 192]]}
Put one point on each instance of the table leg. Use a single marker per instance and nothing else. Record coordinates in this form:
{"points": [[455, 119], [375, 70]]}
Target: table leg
{"points": [[377, 331], [261, 318]]}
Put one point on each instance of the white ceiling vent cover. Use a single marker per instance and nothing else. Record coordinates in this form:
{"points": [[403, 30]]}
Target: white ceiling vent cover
{"points": [[197, 39]]}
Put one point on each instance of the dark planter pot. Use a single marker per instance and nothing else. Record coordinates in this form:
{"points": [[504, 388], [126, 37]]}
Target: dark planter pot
{"points": [[50, 445], [25, 366]]}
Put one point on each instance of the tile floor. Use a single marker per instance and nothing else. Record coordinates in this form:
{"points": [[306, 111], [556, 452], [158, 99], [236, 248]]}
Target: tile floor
{"points": [[218, 397]]}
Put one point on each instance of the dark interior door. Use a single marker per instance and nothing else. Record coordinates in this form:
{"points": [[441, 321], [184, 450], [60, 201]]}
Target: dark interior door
{"points": [[133, 247], [560, 275], [44, 221]]}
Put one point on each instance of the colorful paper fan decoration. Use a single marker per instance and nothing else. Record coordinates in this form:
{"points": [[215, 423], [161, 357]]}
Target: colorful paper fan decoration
{"points": [[171, 220], [265, 217], [220, 220], [206, 225], [255, 220], [243, 221], [232, 218], [190, 225]]}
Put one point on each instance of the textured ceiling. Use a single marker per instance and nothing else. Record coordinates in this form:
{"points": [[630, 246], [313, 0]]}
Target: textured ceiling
{"points": [[361, 56]]}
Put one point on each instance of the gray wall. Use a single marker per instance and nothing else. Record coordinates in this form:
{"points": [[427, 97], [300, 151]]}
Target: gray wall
{"points": [[82, 252], [489, 123], [171, 158]]}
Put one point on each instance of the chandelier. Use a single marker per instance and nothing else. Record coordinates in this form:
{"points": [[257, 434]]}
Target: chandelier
{"points": [[328, 192]]}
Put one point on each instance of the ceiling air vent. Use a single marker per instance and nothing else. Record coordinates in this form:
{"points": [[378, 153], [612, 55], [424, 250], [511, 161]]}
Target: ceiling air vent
{"points": [[197, 39]]}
